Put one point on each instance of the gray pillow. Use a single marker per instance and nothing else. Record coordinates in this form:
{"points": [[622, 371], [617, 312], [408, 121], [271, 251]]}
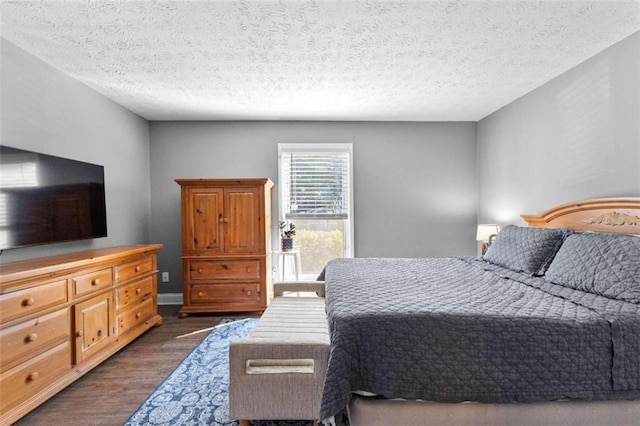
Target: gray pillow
{"points": [[599, 263], [529, 250]]}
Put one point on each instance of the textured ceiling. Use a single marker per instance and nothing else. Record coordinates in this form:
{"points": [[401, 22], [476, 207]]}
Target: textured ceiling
{"points": [[316, 60]]}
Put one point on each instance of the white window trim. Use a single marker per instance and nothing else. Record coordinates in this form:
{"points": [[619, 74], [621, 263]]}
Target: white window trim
{"points": [[331, 147]]}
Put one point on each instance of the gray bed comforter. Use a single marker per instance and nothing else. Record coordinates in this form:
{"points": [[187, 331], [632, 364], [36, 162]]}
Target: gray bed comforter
{"points": [[455, 329]]}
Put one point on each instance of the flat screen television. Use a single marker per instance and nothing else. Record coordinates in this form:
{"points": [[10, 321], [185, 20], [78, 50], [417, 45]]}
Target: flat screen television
{"points": [[48, 199]]}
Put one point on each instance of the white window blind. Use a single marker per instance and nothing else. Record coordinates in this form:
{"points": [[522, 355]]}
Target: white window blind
{"points": [[17, 171], [19, 174], [315, 181]]}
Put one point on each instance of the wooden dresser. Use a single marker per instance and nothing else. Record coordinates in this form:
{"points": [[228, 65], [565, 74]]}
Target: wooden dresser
{"points": [[60, 316], [226, 238]]}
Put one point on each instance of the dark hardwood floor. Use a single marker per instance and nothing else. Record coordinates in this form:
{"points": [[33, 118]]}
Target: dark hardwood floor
{"points": [[112, 391]]}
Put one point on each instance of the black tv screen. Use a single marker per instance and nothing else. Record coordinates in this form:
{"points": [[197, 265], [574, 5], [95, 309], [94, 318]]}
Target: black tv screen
{"points": [[48, 199]]}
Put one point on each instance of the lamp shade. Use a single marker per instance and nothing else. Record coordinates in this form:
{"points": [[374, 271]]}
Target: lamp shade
{"points": [[486, 230]]}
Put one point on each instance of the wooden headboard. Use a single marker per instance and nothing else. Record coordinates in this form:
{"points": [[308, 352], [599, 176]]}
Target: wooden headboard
{"points": [[620, 215]]}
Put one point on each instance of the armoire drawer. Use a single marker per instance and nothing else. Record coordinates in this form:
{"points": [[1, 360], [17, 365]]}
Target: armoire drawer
{"points": [[225, 293], [29, 378], [224, 270], [30, 300], [131, 270], [32, 336], [133, 292]]}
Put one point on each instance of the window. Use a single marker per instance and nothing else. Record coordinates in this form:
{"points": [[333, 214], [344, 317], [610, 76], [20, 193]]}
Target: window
{"points": [[316, 195]]}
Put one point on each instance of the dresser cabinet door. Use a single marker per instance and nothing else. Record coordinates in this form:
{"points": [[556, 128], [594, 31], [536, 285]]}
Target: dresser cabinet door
{"points": [[94, 325]]}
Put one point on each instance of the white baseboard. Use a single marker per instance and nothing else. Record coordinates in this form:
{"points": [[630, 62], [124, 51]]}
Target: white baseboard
{"points": [[169, 298]]}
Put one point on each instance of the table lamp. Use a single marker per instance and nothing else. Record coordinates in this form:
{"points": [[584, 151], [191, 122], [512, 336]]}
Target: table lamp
{"points": [[487, 233]]}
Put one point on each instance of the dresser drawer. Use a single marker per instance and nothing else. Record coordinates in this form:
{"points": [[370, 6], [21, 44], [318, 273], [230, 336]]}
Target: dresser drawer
{"points": [[29, 378], [224, 270], [24, 302], [134, 292], [91, 282], [134, 269], [225, 293], [136, 315], [32, 336]]}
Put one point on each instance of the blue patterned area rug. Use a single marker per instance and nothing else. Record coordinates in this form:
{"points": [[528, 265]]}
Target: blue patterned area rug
{"points": [[196, 392]]}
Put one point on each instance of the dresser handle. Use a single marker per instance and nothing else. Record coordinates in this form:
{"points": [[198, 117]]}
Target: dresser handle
{"points": [[137, 291], [95, 281], [137, 269], [32, 337], [200, 293], [248, 292], [28, 302], [199, 270], [33, 376], [138, 315], [248, 269], [79, 333]]}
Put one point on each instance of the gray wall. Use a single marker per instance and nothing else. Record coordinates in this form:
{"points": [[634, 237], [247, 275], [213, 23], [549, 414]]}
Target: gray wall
{"points": [[575, 137], [46, 111], [414, 183], [416, 192]]}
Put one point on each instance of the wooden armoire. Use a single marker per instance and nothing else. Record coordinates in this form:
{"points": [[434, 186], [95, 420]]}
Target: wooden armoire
{"points": [[226, 239]]}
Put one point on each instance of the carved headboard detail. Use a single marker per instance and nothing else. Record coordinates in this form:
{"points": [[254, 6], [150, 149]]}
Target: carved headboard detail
{"points": [[620, 215]]}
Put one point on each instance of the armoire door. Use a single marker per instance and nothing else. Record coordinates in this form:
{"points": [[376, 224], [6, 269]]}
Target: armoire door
{"points": [[242, 221], [204, 212]]}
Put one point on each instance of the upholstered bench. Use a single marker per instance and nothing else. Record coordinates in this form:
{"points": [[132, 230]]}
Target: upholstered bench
{"points": [[277, 373]]}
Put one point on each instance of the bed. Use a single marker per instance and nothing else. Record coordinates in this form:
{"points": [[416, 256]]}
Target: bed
{"points": [[544, 329]]}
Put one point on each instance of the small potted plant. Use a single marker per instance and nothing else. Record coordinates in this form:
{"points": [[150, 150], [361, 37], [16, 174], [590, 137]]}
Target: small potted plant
{"points": [[287, 231]]}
